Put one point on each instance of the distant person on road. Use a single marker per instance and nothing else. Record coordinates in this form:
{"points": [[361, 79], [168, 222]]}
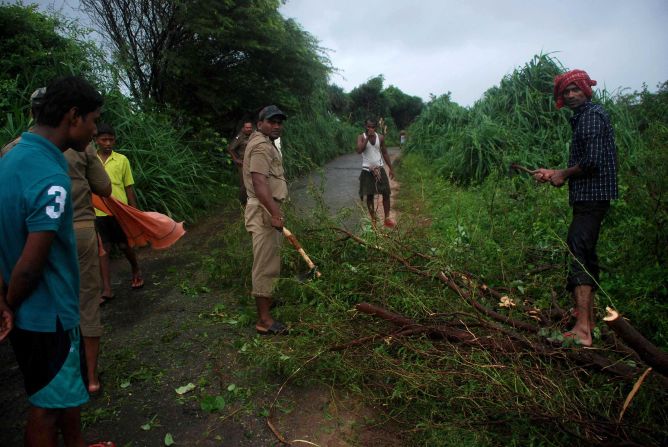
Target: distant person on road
{"points": [[402, 139], [87, 175], [592, 184], [267, 190], [373, 179], [39, 272], [122, 189], [236, 150]]}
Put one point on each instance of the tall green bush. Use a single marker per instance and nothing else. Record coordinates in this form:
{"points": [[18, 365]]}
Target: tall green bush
{"points": [[169, 176], [517, 121]]}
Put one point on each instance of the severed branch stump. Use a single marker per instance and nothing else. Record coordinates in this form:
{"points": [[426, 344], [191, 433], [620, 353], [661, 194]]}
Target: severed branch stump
{"points": [[652, 355]]}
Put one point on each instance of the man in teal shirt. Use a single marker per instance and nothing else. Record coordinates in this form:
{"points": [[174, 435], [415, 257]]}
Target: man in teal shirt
{"points": [[39, 272]]}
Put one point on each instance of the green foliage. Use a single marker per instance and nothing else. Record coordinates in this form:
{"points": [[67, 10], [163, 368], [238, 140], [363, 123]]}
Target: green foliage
{"points": [[169, 176], [371, 101], [403, 108], [219, 61], [313, 136], [518, 122], [367, 101], [37, 48], [504, 230]]}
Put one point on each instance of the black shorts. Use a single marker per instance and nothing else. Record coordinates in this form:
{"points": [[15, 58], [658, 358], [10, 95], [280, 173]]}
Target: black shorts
{"points": [[370, 186], [582, 240], [53, 365], [110, 231]]}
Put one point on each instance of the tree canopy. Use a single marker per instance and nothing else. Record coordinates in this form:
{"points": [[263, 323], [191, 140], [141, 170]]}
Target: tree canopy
{"points": [[371, 100], [215, 59]]}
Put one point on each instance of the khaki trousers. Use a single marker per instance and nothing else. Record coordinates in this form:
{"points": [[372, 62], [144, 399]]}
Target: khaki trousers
{"points": [[266, 249], [89, 282]]}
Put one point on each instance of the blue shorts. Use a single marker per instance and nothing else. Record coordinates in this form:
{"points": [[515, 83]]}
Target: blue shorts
{"points": [[53, 366]]}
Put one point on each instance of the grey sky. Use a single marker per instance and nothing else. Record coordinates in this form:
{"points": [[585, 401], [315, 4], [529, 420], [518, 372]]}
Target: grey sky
{"points": [[466, 47]]}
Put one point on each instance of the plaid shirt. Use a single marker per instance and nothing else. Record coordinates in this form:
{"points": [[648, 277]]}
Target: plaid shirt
{"points": [[593, 149]]}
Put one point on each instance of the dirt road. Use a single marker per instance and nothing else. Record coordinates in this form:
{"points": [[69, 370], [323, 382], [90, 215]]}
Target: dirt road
{"points": [[182, 331]]}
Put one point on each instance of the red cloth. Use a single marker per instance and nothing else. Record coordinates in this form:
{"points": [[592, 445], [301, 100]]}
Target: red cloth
{"points": [[141, 227], [577, 77]]}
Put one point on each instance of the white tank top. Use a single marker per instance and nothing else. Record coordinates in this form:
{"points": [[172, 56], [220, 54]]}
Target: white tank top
{"points": [[372, 157]]}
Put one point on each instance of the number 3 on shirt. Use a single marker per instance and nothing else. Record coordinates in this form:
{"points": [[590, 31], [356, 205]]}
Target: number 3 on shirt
{"points": [[61, 195]]}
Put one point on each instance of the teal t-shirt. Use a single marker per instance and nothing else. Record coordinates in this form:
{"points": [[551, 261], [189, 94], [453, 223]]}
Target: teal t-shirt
{"points": [[35, 197]]}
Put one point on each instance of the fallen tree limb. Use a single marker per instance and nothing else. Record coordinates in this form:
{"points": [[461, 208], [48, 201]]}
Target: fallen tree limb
{"points": [[582, 357], [489, 312], [363, 340], [650, 354]]}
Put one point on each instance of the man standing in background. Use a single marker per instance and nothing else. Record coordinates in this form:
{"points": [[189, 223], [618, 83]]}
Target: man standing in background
{"points": [[236, 149], [373, 179], [592, 184], [119, 171]]}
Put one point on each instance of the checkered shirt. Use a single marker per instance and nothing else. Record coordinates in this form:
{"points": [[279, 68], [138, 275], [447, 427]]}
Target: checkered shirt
{"points": [[593, 149]]}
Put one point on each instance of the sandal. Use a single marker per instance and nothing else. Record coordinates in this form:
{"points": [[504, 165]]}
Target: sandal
{"points": [[103, 444], [277, 328], [137, 282]]}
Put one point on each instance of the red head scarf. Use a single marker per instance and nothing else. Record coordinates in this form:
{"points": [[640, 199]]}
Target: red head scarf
{"points": [[577, 77]]}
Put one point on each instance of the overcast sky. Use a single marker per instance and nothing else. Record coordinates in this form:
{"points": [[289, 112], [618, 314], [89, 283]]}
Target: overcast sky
{"points": [[466, 47]]}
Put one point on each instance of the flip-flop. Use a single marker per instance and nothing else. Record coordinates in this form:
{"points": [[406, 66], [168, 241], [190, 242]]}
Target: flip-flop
{"points": [[103, 444], [137, 282], [277, 328]]}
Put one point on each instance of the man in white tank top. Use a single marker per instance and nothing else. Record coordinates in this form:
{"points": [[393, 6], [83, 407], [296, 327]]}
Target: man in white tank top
{"points": [[373, 179]]}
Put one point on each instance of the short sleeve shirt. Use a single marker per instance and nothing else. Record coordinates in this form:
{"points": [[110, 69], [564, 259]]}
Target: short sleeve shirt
{"points": [[238, 146], [120, 174], [88, 176], [264, 158], [36, 197]]}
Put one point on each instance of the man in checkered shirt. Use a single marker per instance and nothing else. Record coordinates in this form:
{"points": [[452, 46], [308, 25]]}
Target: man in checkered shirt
{"points": [[592, 183]]}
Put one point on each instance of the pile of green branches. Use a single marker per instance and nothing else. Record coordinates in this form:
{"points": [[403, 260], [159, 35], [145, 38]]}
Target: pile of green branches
{"points": [[434, 391]]}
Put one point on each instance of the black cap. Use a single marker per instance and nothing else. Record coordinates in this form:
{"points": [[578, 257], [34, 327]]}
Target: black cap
{"points": [[270, 112]]}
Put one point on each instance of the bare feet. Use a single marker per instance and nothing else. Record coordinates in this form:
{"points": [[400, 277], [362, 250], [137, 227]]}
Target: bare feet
{"points": [[583, 338], [94, 387]]}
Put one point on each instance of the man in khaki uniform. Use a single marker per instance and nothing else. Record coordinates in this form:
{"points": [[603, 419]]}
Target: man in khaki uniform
{"points": [[267, 189], [88, 176], [236, 149]]}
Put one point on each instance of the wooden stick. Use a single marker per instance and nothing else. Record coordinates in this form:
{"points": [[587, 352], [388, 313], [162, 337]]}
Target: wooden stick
{"points": [[519, 167], [295, 243], [632, 394]]}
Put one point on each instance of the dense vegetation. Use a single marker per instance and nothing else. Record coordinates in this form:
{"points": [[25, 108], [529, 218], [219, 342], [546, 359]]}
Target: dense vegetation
{"points": [[518, 122], [470, 216], [174, 100]]}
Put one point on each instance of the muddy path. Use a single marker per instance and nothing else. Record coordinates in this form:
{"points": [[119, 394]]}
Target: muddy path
{"points": [[181, 330]]}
